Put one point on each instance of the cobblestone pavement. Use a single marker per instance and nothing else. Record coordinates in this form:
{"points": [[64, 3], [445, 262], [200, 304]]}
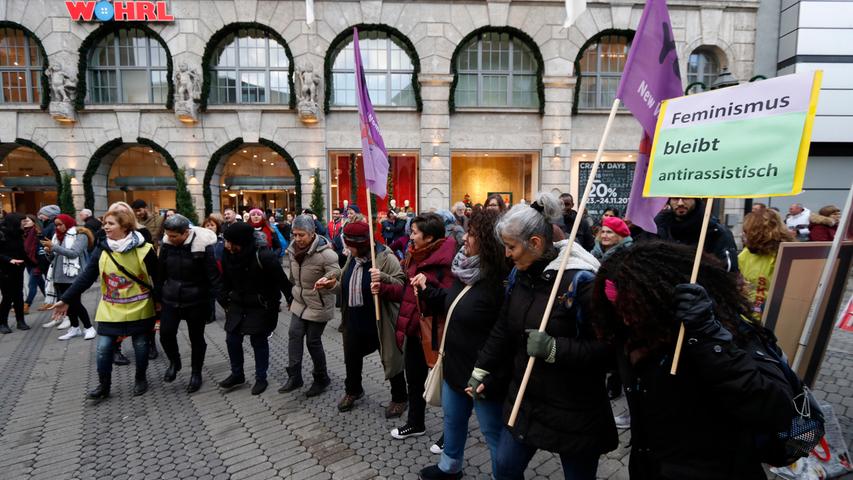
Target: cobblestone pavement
{"points": [[49, 431]]}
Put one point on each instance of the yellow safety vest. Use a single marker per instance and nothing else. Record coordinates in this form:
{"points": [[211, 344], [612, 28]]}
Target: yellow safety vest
{"points": [[122, 299]]}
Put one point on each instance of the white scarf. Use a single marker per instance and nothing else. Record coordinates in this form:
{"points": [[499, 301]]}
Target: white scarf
{"points": [[127, 243], [70, 266]]}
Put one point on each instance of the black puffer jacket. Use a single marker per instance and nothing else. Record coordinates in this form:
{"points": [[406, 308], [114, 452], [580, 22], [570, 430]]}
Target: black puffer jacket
{"points": [[700, 424], [252, 284], [565, 408], [188, 273]]}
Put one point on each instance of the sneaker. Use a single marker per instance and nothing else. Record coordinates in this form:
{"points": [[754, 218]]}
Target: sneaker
{"points": [[71, 333], [434, 473], [623, 421], [65, 324], [437, 447], [396, 409], [89, 333], [407, 431], [348, 402], [50, 324]]}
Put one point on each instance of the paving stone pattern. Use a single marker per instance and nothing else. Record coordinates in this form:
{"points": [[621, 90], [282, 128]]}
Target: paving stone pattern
{"points": [[49, 431]]}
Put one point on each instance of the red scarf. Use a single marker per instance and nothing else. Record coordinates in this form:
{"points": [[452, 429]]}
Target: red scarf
{"points": [[264, 227], [418, 255]]}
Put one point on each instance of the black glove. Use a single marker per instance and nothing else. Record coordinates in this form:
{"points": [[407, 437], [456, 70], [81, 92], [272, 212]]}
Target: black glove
{"points": [[695, 309]]}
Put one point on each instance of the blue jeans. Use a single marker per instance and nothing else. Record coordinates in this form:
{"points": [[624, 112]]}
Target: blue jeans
{"points": [[107, 345], [261, 348], [457, 410], [513, 458], [35, 283]]}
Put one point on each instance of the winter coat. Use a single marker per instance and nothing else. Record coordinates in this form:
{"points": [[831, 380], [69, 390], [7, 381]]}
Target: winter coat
{"points": [[389, 272], [719, 241], [320, 261], [189, 275], [436, 268], [154, 225], [565, 408], [392, 229], [799, 224], [252, 285], [822, 229], [585, 237], [78, 250], [701, 423], [603, 255], [11, 248]]}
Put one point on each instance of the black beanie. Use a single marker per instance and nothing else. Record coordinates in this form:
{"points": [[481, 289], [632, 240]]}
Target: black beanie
{"points": [[240, 233]]}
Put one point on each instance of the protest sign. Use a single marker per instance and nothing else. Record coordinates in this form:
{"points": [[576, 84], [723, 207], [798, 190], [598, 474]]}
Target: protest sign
{"points": [[746, 141]]}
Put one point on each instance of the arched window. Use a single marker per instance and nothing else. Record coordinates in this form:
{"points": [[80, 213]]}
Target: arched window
{"points": [[496, 70], [702, 66], [600, 69], [250, 67], [388, 70], [128, 66], [20, 67]]}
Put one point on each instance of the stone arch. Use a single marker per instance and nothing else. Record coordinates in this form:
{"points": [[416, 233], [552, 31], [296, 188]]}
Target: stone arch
{"points": [[98, 35], [220, 35], [514, 32], [45, 87], [98, 169], [721, 50], [339, 43], [215, 166], [592, 40], [7, 148]]}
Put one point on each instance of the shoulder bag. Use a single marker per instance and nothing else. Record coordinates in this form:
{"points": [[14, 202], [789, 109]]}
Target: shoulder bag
{"points": [[435, 378]]}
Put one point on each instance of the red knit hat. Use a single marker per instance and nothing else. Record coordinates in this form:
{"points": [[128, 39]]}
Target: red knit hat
{"points": [[356, 233], [67, 220], [617, 225]]}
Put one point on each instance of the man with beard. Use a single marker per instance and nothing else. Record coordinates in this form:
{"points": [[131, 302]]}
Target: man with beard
{"points": [[584, 237], [152, 223], [682, 223]]}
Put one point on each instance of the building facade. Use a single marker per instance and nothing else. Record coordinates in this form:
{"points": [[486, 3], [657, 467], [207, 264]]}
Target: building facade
{"points": [[250, 101]]}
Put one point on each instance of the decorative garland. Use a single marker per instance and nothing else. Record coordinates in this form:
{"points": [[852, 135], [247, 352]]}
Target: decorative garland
{"points": [[343, 39], [45, 86], [513, 32], [317, 196], [99, 34], [229, 148], [29, 144], [219, 37], [629, 34]]}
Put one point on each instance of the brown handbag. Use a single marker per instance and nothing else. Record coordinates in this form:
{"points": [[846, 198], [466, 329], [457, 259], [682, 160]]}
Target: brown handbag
{"points": [[432, 329]]}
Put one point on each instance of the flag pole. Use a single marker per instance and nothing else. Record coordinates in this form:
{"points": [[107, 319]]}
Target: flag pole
{"points": [[566, 254], [372, 250], [700, 248]]}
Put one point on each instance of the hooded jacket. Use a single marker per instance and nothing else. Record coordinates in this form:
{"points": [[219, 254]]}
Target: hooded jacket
{"points": [[320, 261], [189, 275], [718, 241], [822, 229]]}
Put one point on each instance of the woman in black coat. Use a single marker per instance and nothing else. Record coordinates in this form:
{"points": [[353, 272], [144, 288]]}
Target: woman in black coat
{"points": [[702, 423], [565, 409], [252, 284], [13, 257]]}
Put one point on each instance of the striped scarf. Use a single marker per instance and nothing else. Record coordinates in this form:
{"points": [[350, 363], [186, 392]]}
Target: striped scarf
{"points": [[355, 297]]}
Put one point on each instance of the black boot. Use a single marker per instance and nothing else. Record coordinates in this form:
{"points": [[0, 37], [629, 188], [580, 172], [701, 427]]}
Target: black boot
{"points": [[140, 386], [102, 390], [4, 329], [22, 325], [195, 382], [321, 382], [233, 381], [172, 371], [294, 380], [152, 346], [119, 358]]}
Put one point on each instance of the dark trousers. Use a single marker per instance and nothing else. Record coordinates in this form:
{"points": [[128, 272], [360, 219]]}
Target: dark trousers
{"points": [[416, 373], [261, 347], [35, 284], [196, 317], [312, 332], [77, 313], [354, 366], [513, 457], [12, 289], [107, 345]]}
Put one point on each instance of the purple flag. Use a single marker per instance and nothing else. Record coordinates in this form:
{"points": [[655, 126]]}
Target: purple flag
{"points": [[372, 147], [651, 76]]}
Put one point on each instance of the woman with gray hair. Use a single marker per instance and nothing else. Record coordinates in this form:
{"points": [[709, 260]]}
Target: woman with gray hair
{"points": [[313, 268], [565, 409]]}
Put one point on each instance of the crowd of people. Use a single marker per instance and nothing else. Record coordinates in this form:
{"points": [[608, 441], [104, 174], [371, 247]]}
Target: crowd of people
{"points": [[465, 289]]}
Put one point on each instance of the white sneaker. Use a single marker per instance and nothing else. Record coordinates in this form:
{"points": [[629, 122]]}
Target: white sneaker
{"points": [[623, 421], [65, 324], [49, 324], [89, 333], [71, 333]]}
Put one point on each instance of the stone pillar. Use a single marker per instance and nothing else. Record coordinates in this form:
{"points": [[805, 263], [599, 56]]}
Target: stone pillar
{"points": [[434, 182], [555, 170]]}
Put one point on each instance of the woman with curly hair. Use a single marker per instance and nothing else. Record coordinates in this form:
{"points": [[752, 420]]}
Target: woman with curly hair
{"points": [[763, 231], [703, 422], [478, 270]]}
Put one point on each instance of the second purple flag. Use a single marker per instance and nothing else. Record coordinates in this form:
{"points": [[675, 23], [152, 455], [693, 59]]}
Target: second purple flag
{"points": [[372, 146]]}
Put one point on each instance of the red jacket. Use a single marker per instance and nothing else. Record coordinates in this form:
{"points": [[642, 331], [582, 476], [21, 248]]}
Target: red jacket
{"points": [[335, 228], [436, 268]]}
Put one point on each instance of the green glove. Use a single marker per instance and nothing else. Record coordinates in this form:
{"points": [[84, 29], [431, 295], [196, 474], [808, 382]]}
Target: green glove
{"points": [[477, 377], [541, 345]]}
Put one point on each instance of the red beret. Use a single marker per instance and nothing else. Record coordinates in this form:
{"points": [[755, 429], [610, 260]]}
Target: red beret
{"points": [[356, 233], [617, 225]]}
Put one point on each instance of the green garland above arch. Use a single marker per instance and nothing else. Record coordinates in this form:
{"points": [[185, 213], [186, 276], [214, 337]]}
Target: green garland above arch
{"points": [[629, 34], [45, 86], [234, 28], [513, 32], [342, 40], [98, 35], [29, 144], [225, 150]]}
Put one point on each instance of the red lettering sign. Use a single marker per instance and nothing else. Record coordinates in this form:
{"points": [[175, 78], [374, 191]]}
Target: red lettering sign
{"points": [[81, 10], [121, 11], [163, 15]]}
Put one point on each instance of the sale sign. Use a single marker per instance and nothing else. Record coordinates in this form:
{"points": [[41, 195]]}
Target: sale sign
{"points": [[746, 141]]}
